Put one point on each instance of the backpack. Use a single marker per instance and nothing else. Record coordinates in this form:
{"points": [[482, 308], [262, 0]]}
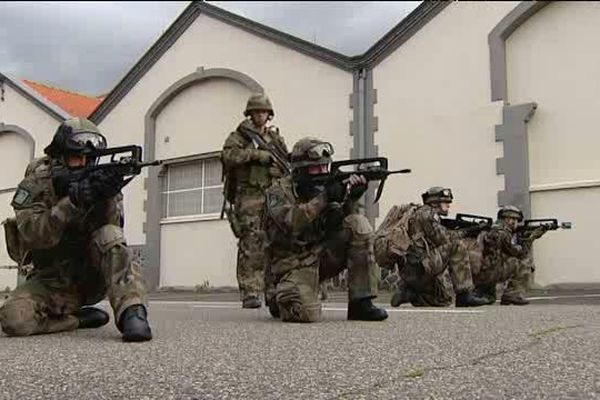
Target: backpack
{"points": [[392, 238]]}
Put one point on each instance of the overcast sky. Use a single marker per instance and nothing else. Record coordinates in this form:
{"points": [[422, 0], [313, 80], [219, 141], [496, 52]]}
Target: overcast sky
{"points": [[89, 46]]}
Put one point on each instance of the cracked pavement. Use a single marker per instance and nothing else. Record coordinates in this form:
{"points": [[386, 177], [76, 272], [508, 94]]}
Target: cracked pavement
{"points": [[212, 349]]}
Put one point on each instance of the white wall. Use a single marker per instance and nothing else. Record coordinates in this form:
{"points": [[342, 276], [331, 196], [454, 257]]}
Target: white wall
{"points": [[199, 118], [553, 59], [434, 110]]}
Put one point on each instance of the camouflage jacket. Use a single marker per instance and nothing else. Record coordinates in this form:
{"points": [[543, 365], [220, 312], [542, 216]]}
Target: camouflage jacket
{"points": [[242, 168], [427, 232], [500, 243], [295, 229], [48, 223]]}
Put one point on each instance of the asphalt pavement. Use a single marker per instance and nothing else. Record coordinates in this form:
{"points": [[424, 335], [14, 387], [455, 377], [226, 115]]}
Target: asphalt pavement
{"points": [[207, 347]]}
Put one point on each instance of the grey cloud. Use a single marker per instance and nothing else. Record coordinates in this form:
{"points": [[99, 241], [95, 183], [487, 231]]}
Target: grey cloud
{"points": [[90, 46]]}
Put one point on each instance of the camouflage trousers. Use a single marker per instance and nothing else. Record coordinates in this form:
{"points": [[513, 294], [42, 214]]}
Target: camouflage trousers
{"points": [[434, 280], [513, 272], [47, 301], [251, 258], [351, 248]]}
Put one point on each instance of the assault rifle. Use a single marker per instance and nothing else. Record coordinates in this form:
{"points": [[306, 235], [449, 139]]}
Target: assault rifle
{"points": [[373, 169], [468, 221], [125, 161], [549, 224], [280, 157]]}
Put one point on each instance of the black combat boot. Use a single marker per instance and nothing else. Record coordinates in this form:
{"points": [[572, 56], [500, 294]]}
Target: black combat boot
{"points": [[91, 317], [134, 325], [364, 310], [402, 295], [470, 299], [516, 300], [251, 302], [487, 292], [273, 307]]}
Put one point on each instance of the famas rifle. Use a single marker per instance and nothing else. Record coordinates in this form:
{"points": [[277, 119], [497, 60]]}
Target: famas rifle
{"points": [[125, 161], [373, 169]]}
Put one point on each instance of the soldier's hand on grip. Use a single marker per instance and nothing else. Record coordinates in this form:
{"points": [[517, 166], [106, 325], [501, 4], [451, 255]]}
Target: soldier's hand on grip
{"points": [[98, 185], [263, 157], [358, 186]]}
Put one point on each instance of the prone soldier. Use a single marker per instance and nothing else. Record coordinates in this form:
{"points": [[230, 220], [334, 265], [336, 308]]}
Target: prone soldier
{"points": [[314, 232], [253, 156], [432, 261], [72, 233]]}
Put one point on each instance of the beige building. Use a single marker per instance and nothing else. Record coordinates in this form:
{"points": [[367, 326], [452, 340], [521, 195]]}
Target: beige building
{"points": [[493, 99]]}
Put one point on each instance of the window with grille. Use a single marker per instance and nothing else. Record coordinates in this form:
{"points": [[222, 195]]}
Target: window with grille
{"points": [[192, 189]]}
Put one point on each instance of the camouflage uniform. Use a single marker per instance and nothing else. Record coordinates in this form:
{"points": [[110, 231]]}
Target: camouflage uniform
{"points": [[304, 253], [502, 260], [250, 172], [436, 263], [78, 258]]}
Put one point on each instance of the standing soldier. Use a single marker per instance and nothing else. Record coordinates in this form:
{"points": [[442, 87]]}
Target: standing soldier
{"points": [[314, 233], [72, 232], [249, 169], [432, 261], [506, 256]]}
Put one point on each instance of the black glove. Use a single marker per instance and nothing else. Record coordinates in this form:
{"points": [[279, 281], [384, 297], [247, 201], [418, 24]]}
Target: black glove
{"points": [[98, 185], [336, 192], [357, 191]]}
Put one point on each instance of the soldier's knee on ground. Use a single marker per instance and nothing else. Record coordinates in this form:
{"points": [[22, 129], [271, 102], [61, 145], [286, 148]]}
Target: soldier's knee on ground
{"points": [[298, 296], [17, 317]]}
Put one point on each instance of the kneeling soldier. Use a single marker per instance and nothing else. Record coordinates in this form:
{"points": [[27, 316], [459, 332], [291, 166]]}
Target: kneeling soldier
{"points": [[72, 233], [314, 233], [506, 256], [433, 262]]}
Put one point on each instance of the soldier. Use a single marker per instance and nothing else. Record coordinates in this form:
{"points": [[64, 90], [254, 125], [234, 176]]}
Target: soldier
{"points": [[72, 233], [506, 256], [314, 233], [249, 171], [432, 261]]}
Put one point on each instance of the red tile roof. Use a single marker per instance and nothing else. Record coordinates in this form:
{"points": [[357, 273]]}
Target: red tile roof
{"points": [[76, 104]]}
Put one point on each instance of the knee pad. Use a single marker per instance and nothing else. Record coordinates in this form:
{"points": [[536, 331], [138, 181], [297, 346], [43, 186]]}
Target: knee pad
{"points": [[297, 296], [17, 317], [107, 237]]}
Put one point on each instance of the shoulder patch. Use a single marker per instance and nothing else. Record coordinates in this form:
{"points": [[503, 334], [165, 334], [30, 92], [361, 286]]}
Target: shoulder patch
{"points": [[22, 196]]}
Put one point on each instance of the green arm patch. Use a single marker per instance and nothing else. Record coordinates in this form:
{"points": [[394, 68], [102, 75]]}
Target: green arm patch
{"points": [[22, 196]]}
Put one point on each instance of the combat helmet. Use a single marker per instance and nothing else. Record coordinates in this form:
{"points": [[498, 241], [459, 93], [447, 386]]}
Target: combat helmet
{"points": [[510, 212], [259, 101], [75, 136], [311, 151], [437, 194]]}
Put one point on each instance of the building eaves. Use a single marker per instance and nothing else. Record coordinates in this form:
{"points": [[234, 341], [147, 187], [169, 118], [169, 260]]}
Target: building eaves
{"points": [[36, 98], [403, 31], [386, 45]]}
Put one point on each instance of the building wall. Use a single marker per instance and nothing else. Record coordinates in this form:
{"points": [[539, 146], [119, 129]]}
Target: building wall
{"points": [[310, 98], [434, 111], [14, 156], [553, 61]]}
